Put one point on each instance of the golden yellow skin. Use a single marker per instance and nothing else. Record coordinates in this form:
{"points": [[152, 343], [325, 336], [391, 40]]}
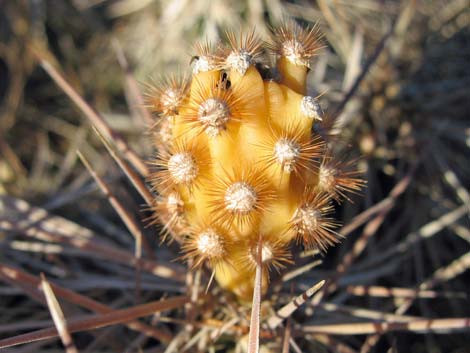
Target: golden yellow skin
{"points": [[293, 76], [244, 146], [266, 105]]}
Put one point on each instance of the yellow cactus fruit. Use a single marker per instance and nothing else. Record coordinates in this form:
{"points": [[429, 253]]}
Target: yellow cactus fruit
{"points": [[238, 166]]}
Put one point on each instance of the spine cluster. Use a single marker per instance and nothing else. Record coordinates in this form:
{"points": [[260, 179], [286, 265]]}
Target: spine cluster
{"points": [[237, 161]]}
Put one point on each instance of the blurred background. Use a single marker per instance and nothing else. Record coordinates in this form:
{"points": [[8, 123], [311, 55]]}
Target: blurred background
{"points": [[394, 74]]}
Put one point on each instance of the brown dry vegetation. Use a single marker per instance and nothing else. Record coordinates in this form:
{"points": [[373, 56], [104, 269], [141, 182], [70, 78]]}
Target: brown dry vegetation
{"points": [[394, 79]]}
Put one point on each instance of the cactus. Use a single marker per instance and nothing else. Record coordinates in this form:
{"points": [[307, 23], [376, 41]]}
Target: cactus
{"points": [[238, 163]]}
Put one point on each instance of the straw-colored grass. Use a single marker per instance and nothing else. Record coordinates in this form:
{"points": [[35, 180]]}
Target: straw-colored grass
{"points": [[394, 77]]}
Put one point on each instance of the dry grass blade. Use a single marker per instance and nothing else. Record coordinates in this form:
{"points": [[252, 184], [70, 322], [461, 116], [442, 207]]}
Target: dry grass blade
{"points": [[9, 155], [126, 218], [301, 270], [294, 346], [461, 231], [58, 316], [353, 65], [426, 231], [131, 175], [417, 326], [363, 74], [443, 274], [363, 217], [29, 325], [253, 337], [98, 321], [104, 251], [92, 115], [287, 336], [29, 283], [373, 225], [366, 313], [333, 344], [133, 93], [338, 27], [399, 293], [451, 178], [287, 310], [21, 218], [360, 244]]}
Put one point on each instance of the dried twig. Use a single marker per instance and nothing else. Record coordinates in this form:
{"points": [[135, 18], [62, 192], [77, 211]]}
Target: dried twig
{"points": [[58, 316]]}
